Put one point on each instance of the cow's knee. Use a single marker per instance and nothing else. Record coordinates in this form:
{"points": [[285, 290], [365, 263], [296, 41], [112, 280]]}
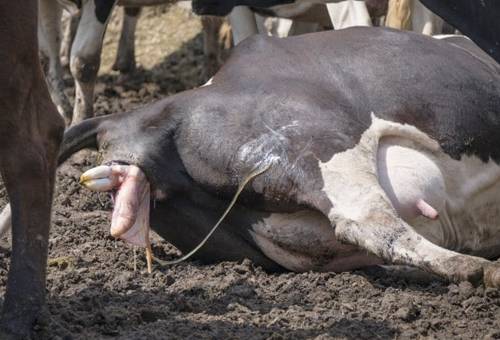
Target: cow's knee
{"points": [[84, 69]]}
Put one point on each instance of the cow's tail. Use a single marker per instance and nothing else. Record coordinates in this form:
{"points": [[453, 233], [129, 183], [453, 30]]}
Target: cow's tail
{"points": [[76, 138], [399, 14]]}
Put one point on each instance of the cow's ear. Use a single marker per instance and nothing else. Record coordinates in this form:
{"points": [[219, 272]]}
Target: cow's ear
{"points": [[72, 6]]}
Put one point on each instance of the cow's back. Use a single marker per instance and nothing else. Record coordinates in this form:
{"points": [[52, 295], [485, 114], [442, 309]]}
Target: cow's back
{"points": [[447, 91]]}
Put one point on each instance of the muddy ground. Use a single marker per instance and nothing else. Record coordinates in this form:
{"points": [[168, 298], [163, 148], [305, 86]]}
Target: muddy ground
{"points": [[94, 292]]}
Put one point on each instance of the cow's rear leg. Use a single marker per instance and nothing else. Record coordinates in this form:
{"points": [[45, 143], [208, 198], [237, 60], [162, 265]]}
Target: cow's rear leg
{"points": [[49, 38], [243, 23], [28, 171], [68, 37], [86, 55], [390, 238], [344, 14], [125, 56], [399, 14], [424, 21]]}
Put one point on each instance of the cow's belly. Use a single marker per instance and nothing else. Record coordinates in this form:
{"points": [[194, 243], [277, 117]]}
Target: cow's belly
{"points": [[304, 240], [465, 193]]}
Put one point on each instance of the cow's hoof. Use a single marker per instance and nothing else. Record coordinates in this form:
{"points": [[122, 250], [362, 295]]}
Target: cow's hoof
{"points": [[492, 275], [24, 326], [124, 66], [17, 332], [465, 269]]}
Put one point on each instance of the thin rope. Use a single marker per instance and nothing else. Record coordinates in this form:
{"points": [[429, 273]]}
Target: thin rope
{"points": [[242, 185]]}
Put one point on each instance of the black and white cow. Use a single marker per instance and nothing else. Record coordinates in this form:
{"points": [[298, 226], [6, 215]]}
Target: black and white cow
{"points": [[384, 149]]}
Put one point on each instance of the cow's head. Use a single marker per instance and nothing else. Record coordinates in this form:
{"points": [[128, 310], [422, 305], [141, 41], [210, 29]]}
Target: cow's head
{"points": [[138, 157]]}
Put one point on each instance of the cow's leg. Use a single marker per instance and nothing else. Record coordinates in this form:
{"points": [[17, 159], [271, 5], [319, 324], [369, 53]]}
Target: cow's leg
{"points": [[243, 23], [30, 133], [68, 37], [211, 47], [280, 27], [49, 39], [348, 13], [29, 178], [86, 55], [362, 214], [399, 14], [28, 163], [424, 21], [260, 21], [302, 27], [125, 56]]}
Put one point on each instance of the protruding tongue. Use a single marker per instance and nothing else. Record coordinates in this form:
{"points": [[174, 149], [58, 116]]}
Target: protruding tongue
{"points": [[130, 219]]}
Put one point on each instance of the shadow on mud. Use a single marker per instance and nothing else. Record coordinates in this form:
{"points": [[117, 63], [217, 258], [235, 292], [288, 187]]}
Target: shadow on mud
{"points": [[404, 277], [182, 70], [156, 314]]}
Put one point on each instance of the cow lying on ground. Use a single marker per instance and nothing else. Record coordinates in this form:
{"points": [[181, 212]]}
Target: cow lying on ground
{"points": [[30, 133], [384, 149]]}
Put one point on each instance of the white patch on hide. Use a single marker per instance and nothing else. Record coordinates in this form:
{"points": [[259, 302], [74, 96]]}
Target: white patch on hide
{"points": [[447, 36], [410, 165]]}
